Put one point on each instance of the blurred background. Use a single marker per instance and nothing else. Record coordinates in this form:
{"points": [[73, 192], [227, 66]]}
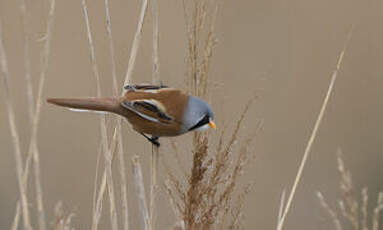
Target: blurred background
{"points": [[283, 51]]}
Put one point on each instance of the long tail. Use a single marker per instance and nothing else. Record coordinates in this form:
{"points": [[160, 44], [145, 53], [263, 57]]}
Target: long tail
{"points": [[93, 104]]}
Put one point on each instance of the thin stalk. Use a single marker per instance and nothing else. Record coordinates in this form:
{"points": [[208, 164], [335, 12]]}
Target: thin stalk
{"points": [[155, 80], [104, 136], [136, 43], [15, 136], [27, 62], [131, 64], [118, 120], [140, 191], [314, 133]]}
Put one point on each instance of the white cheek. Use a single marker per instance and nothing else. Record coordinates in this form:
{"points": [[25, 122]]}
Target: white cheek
{"points": [[203, 128]]}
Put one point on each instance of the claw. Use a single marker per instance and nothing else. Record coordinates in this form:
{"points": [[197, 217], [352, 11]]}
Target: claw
{"points": [[153, 139]]}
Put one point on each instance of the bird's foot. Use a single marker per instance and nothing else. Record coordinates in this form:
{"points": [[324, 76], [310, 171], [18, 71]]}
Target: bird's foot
{"points": [[153, 139]]}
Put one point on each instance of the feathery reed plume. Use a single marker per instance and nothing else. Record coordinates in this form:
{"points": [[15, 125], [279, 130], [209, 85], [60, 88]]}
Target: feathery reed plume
{"points": [[354, 211], [331, 212], [15, 136], [104, 135], [314, 132], [206, 200], [118, 121], [62, 220]]}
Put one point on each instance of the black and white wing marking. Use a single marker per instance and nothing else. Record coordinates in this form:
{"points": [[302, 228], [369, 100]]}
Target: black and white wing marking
{"points": [[151, 110]]}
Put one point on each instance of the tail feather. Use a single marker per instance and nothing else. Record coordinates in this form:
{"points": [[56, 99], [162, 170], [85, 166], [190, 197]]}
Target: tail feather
{"points": [[93, 104]]}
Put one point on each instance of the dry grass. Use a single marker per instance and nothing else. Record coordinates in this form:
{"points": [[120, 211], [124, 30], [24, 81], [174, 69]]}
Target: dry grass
{"points": [[353, 209], [62, 219], [104, 135], [206, 196], [307, 151], [206, 199], [34, 115], [15, 136]]}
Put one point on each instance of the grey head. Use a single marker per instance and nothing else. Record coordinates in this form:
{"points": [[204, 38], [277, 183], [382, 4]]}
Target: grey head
{"points": [[198, 116]]}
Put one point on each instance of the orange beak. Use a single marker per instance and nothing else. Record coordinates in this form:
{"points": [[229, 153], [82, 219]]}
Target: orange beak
{"points": [[212, 124]]}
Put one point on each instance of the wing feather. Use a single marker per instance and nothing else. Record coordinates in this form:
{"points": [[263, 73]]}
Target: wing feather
{"points": [[151, 110]]}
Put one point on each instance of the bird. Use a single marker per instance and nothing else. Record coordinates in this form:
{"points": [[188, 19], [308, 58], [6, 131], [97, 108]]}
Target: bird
{"points": [[153, 111]]}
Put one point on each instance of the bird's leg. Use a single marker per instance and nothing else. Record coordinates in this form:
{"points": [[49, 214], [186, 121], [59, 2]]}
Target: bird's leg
{"points": [[153, 139], [130, 88]]}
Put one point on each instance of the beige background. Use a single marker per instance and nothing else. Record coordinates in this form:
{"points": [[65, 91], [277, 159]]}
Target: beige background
{"points": [[282, 50]]}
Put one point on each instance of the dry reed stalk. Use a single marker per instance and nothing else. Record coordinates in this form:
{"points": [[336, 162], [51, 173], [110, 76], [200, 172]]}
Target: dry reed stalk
{"points": [[140, 190], [16, 218], [136, 43], [97, 208], [314, 132], [354, 211], [33, 150], [122, 169], [15, 136], [154, 183], [133, 54], [155, 80], [36, 161], [281, 205], [156, 43], [27, 63], [181, 165], [104, 135], [27, 67], [94, 202]]}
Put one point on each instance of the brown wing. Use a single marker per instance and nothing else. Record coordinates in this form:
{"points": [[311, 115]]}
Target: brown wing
{"points": [[166, 105], [149, 109]]}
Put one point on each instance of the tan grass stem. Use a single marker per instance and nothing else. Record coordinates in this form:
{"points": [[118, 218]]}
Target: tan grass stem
{"points": [[314, 132], [156, 43], [33, 150], [104, 136], [140, 191], [98, 207], [122, 169], [155, 80], [27, 62], [15, 136], [281, 206], [136, 43]]}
